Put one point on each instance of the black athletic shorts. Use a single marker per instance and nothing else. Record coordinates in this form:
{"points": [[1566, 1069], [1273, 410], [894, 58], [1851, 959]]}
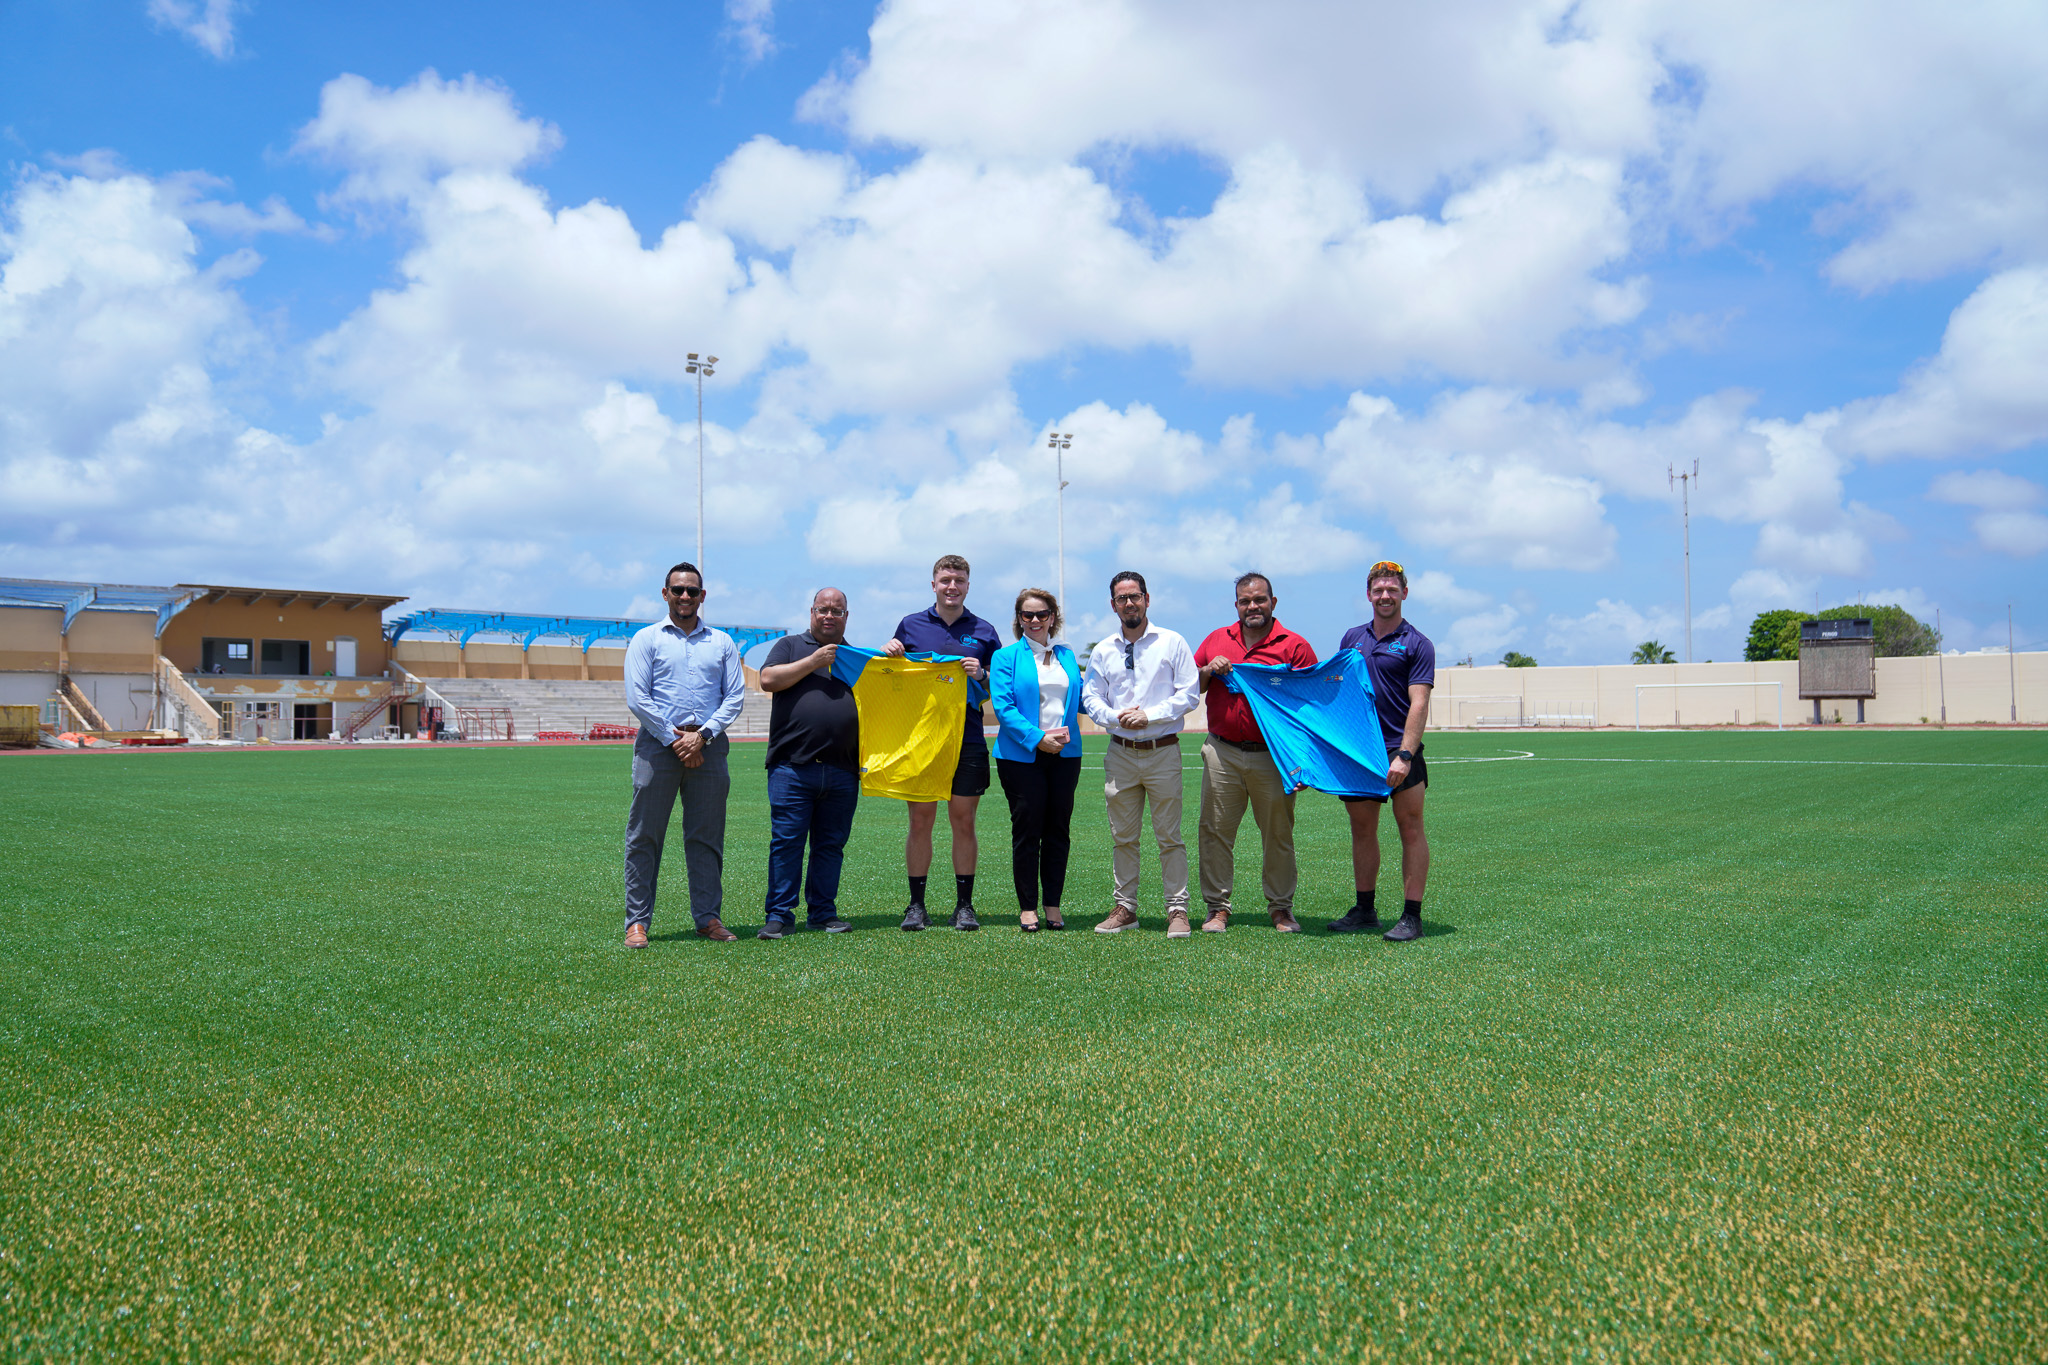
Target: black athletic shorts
{"points": [[971, 777], [1418, 776]]}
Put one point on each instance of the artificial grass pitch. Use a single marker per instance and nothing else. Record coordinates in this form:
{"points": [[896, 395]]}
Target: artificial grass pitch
{"points": [[1719, 1047]]}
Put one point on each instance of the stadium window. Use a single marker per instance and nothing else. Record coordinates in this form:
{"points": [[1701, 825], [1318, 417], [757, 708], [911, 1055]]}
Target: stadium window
{"points": [[224, 656], [288, 656]]}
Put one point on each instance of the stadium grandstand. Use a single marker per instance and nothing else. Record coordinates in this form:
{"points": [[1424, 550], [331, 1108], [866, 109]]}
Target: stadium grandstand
{"points": [[216, 662]]}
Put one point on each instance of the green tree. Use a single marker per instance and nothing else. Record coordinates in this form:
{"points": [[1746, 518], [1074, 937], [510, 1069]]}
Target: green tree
{"points": [[1774, 635], [1899, 633], [1650, 652], [1517, 659]]}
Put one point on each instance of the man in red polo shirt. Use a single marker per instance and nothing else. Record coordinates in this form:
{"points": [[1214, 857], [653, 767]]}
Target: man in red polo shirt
{"points": [[1237, 769]]}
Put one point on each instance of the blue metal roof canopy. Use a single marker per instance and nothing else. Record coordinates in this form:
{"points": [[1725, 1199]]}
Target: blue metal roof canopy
{"points": [[464, 625], [73, 598]]}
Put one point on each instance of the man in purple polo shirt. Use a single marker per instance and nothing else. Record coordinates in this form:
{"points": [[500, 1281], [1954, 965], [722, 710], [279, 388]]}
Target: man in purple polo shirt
{"points": [[947, 627], [1402, 663]]}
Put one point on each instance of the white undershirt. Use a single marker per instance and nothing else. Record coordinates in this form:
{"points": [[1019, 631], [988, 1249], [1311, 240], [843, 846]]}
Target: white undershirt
{"points": [[1052, 687]]}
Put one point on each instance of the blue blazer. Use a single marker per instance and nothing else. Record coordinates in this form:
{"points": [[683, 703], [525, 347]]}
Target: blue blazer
{"points": [[1013, 686]]}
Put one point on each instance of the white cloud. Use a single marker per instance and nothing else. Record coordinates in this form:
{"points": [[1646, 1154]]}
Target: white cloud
{"points": [[751, 25], [1481, 636], [2019, 534], [1275, 535], [1768, 590], [1983, 391], [394, 141], [209, 24], [1986, 488], [774, 194], [1609, 632], [1438, 591]]}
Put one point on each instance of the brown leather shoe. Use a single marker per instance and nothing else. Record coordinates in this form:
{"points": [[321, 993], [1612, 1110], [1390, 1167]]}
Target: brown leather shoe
{"points": [[1218, 922], [636, 936], [716, 932], [1284, 922], [1119, 920], [1177, 924]]}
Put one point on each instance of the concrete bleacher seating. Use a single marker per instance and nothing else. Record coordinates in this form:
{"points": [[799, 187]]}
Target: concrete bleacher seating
{"points": [[561, 705]]}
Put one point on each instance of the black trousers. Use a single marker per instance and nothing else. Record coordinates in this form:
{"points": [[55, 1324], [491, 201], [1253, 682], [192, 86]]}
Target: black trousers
{"points": [[1041, 796]]}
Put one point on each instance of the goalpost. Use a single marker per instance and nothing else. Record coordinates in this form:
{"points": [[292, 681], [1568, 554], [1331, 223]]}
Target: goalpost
{"points": [[1643, 687]]}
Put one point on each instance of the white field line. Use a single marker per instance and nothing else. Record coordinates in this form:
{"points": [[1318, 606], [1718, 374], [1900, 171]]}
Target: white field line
{"points": [[1807, 762]]}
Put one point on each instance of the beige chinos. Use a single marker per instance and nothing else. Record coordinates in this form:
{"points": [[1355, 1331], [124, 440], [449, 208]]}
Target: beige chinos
{"points": [[1232, 780], [1134, 777]]}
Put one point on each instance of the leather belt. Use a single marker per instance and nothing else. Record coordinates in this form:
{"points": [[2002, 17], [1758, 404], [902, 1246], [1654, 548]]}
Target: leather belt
{"points": [[1145, 743], [1250, 746]]}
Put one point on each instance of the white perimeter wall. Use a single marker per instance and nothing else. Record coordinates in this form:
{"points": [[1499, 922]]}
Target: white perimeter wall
{"points": [[1908, 692]]}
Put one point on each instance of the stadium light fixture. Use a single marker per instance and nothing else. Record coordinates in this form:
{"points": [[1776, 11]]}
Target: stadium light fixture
{"points": [[1060, 441], [702, 369]]}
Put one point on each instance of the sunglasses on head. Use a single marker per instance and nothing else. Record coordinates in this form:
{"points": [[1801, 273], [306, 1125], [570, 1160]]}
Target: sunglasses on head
{"points": [[1386, 566]]}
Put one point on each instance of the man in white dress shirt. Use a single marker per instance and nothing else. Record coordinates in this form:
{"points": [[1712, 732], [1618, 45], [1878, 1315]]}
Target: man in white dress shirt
{"points": [[1141, 682]]}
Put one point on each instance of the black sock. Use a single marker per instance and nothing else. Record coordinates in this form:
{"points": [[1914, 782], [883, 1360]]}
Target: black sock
{"points": [[917, 890], [1411, 909], [963, 889], [1364, 906]]}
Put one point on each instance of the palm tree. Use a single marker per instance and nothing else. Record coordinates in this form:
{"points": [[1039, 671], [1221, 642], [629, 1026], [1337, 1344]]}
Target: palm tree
{"points": [[1650, 652]]}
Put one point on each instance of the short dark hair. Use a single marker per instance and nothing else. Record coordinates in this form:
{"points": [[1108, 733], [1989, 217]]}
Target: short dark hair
{"points": [[685, 567], [951, 562], [1017, 612], [1245, 578], [1127, 576]]}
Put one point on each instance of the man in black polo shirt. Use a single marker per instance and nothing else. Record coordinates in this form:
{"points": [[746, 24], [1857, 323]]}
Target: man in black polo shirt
{"points": [[1402, 664], [813, 768]]}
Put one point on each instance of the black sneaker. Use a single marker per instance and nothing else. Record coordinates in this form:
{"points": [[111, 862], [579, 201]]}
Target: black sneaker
{"points": [[1356, 920], [963, 919], [1405, 928], [913, 918], [835, 925], [774, 928]]}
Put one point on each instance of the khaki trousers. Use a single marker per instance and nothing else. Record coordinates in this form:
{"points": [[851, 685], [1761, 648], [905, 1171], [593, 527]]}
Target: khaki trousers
{"points": [[1132, 776], [1233, 779]]}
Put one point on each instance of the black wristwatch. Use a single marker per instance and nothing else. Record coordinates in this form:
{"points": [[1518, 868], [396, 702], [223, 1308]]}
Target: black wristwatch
{"points": [[1404, 755]]}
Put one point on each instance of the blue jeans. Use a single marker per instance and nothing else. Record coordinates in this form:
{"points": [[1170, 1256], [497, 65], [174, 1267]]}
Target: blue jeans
{"points": [[814, 801]]}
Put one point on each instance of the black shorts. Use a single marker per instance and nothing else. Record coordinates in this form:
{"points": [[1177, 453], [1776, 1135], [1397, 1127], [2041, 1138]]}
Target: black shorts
{"points": [[971, 777], [1418, 776]]}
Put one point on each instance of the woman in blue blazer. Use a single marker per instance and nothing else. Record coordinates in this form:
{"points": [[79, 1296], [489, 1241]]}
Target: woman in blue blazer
{"points": [[1036, 687]]}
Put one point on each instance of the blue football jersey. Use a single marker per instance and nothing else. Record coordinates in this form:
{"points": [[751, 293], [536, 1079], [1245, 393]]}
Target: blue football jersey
{"points": [[1320, 723]]}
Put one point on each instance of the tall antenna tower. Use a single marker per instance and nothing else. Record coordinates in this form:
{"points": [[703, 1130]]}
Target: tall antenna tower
{"points": [[1685, 483]]}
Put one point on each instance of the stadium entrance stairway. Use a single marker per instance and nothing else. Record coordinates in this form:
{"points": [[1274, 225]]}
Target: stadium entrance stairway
{"points": [[562, 705]]}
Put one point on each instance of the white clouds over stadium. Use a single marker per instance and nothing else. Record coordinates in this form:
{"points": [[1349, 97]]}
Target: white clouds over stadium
{"points": [[1453, 222]]}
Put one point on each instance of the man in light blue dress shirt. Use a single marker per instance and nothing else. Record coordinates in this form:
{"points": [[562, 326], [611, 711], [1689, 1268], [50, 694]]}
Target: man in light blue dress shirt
{"points": [[685, 684]]}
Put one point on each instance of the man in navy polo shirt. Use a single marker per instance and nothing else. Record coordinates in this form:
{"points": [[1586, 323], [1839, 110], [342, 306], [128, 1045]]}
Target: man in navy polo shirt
{"points": [[1402, 663], [947, 627]]}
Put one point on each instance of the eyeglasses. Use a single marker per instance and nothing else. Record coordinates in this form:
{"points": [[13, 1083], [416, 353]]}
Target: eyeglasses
{"points": [[1035, 615], [1126, 599], [828, 611], [686, 592], [1388, 565]]}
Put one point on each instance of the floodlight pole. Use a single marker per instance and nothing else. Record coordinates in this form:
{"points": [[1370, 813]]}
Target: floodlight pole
{"points": [[702, 369], [1059, 441], [1940, 669], [2012, 667], [1684, 483]]}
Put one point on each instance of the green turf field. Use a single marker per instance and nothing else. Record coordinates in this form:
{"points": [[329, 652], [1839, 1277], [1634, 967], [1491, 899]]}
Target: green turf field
{"points": [[1721, 1047]]}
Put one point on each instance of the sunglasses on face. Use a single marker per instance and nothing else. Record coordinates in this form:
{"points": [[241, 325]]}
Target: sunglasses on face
{"points": [[1036, 615], [686, 592]]}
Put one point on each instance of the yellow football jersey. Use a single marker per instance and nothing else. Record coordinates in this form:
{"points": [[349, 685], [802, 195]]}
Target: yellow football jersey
{"points": [[910, 727]]}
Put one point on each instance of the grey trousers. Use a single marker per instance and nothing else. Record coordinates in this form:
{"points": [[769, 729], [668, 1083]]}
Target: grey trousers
{"points": [[659, 778]]}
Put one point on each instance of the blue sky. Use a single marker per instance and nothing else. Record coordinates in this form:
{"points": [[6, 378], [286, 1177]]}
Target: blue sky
{"points": [[397, 299]]}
